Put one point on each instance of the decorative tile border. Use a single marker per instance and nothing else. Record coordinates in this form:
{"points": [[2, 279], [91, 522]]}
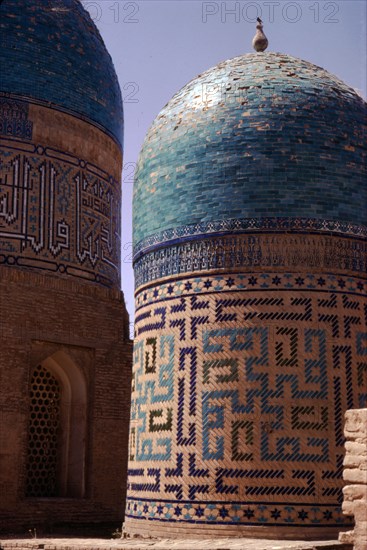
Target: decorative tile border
{"points": [[237, 513], [216, 227], [288, 251], [14, 118], [191, 286]]}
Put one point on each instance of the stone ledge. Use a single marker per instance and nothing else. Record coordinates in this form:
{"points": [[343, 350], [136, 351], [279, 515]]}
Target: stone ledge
{"points": [[139, 543], [355, 473]]}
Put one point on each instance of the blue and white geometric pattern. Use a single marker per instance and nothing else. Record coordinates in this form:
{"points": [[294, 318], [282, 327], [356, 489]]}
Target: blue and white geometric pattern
{"points": [[240, 385]]}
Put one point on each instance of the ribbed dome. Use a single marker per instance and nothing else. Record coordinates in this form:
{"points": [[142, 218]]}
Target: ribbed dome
{"points": [[257, 136], [50, 50]]}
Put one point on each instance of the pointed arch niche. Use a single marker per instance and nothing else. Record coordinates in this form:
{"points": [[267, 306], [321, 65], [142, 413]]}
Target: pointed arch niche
{"points": [[57, 429]]}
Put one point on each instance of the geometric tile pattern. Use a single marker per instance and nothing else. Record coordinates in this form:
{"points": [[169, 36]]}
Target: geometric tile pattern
{"points": [[58, 213], [238, 400]]}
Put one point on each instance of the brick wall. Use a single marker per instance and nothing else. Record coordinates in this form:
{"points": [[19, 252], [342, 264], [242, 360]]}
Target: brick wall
{"points": [[40, 316]]}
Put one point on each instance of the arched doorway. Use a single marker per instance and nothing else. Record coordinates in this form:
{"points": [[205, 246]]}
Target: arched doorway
{"points": [[57, 429]]}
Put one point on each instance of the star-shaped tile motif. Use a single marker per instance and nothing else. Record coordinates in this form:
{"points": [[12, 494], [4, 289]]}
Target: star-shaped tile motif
{"points": [[252, 281], [229, 282], [248, 513], [199, 512], [302, 515], [276, 280], [223, 512], [341, 283], [188, 286], [276, 513], [207, 284]]}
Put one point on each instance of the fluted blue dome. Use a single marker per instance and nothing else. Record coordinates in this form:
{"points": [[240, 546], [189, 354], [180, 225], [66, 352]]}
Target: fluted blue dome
{"points": [[51, 51], [258, 136]]}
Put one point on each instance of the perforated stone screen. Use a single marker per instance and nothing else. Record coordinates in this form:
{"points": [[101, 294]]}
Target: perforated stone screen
{"points": [[44, 432]]}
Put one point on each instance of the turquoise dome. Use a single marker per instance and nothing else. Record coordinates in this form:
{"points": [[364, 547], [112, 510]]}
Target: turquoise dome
{"points": [[51, 51], [262, 136]]}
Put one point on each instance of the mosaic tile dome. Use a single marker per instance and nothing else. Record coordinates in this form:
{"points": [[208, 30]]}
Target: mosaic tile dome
{"points": [[258, 136], [52, 51], [250, 263]]}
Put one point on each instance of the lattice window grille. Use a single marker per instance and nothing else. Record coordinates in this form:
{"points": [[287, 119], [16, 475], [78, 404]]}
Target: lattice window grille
{"points": [[44, 434]]}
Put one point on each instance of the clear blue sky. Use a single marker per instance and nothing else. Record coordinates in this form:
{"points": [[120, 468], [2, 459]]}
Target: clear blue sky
{"points": [[159, 45]]}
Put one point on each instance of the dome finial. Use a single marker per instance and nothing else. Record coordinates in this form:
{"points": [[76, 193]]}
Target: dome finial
{"points": [[260, 42]]}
